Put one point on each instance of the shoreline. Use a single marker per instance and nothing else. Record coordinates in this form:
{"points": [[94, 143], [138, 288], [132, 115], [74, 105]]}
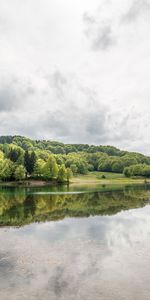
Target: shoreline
{"points": [[76, 181], [30, 183]]}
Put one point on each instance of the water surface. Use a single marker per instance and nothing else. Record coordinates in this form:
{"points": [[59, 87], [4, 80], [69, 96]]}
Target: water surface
{"points": [[68, 246]]}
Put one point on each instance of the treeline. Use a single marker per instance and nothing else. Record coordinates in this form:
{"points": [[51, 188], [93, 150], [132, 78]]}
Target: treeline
{"points": [[137, 170], [22, 158], [58, 147], [17, 164]]}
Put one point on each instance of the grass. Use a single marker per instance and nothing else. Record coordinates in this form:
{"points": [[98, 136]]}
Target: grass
{"points": [[108, 175], [109, 178], [91, 179]]}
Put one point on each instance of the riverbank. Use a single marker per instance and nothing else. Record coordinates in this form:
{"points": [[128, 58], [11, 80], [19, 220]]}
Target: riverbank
{"points": [[106, 178], [29, 183], [102, 178]]}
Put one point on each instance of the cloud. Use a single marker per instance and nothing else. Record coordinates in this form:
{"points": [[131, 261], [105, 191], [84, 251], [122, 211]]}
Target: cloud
{"points": [[8, 99], [104, 38], [67, 125], [138, 8], [57, 83], [104, 28], [76, 116], [75, 110], [14, 95], [88, 19], [99, 32]]}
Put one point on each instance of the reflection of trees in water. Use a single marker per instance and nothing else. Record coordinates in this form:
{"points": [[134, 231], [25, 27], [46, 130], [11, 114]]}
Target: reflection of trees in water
{"points": [[19, 208], [10, 197], [29, 206]]}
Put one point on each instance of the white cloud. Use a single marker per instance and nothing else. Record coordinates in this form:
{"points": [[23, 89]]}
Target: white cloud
{"points": [[53, 84]]}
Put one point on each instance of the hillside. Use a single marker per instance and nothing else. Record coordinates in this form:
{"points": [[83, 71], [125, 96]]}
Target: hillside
{"points": [[50, 160], [61, 148]]}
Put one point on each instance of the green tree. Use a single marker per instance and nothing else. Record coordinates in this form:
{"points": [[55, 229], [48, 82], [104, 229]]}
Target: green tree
{"points": [[137, 170], [39, 168], [68, 174], [127, 172], [50, 170], [1, 155], [13, 155], [32, 162], [73, 168], [105, 165], [62, 174], [117, 166], [29, 161], [20, 173], [6, 169]]}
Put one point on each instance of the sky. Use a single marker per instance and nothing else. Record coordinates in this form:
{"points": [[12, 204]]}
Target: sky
{"points": [[76, 71]]}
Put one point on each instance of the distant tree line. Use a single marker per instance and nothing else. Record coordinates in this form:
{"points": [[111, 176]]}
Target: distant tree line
{"points": [[22, 158], [137, 170]]}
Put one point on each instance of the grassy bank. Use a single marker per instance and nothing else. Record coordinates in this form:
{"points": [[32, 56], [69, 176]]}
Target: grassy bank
{"points": [[106, 178], [92, 178]]}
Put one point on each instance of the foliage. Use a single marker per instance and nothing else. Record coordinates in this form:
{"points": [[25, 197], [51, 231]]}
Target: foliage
{"points": [[20, 173], [137, 170], [62, 174], [29, 161], [6, 169], [44, 159], [50, 169], [69, 174]]}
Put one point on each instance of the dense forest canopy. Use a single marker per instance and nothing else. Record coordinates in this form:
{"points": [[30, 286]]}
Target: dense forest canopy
{"points": [[21, 157]]}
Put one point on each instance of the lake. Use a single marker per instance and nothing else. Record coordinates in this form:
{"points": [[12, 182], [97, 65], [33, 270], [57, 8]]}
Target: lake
{"points": [[75, 243]]}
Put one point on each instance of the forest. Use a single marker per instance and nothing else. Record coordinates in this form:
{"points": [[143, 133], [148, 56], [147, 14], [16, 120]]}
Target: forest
{"points": [[23, 158]]}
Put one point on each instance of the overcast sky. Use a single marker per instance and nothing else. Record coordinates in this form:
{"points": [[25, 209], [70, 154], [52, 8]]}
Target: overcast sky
{"points": [[76, 71]]}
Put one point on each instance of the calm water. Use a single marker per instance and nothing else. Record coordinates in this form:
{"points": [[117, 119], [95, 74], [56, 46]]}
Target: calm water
{"points": [[73, 244]]}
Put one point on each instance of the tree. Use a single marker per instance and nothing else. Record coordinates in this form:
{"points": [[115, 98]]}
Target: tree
{"points": [[105, 165], [39, 166], [68, 174], [32, 162], [15, 154], [1, 155], [73, 168], [20, 173], [117, 166], [62, 174], [94, 159], [50, 170], [82, 167], [6, 169], [137, 170], [126, 172], [59, 159], [29, 161]]}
